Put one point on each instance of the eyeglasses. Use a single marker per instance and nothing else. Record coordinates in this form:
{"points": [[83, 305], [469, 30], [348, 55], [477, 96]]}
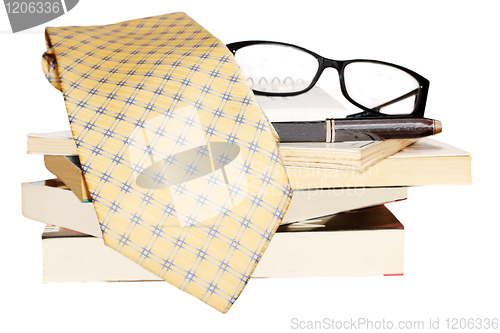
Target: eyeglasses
{"points": [[378, 88]]}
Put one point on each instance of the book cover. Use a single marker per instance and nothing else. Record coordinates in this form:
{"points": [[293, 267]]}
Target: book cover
{"points": [[52, 202], [68, 170]]}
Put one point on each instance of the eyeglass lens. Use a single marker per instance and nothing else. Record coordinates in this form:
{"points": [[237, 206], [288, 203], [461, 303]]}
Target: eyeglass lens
{"points": [[275, 68]]}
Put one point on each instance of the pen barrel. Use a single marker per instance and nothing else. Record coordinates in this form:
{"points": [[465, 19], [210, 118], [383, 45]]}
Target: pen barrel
{"points": [[366, 129], [304, 131], [376, 129]]}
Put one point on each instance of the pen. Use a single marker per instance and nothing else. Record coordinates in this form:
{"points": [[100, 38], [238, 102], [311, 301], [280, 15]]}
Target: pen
{"points": [[366, 129]]}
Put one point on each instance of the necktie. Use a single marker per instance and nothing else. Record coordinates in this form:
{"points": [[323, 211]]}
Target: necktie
{"points": [[181, 163]]}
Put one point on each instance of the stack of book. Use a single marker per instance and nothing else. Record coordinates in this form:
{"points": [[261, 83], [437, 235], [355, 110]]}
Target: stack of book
{"points": [[336, 224]]}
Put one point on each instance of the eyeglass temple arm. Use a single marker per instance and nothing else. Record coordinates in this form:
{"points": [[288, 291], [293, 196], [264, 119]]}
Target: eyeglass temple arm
{"points": [[400, 98]]}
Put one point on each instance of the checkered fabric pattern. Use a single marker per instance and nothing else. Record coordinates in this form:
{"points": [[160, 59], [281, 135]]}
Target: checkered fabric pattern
{"points": [[181, 163]]}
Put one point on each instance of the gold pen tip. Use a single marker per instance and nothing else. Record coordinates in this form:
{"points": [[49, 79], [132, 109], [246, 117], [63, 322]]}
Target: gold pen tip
{"points": [[438, 127]]}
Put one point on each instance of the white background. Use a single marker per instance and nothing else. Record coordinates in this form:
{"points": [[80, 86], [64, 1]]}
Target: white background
{"points": [[452, 232]]}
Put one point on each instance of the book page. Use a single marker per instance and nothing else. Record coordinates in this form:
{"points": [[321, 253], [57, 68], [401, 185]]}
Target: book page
{"points": [[56, 135], [427, 147], [347, 146]]}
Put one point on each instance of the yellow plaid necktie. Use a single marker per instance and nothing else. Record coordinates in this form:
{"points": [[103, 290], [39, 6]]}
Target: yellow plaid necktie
{"points": [[181, 163]]}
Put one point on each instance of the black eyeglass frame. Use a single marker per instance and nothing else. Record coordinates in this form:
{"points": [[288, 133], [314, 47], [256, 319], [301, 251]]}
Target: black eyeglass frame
{"points": [[421, 92]]}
